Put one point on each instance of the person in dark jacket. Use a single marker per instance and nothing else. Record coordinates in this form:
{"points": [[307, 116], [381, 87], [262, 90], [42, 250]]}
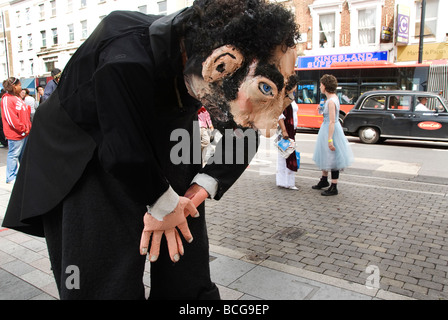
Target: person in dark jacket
{"points": [[52, 84], [102, 177]]}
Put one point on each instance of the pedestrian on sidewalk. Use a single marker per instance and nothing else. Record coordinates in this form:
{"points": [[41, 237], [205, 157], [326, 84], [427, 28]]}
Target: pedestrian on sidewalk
{"points": [[206, 126], [16, 119], [332, 151], [52, 84], [287, 168], [29, 101]]}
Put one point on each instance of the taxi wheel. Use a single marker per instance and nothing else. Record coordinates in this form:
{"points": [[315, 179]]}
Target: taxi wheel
{"points": [[369, 135]]}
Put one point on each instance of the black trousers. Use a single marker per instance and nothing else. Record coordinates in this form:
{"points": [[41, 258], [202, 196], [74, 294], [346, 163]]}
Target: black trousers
{"points": [[94, 234]]}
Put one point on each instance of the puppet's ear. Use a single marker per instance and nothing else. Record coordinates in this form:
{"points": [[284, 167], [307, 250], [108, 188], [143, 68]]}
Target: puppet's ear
{"points": [[222, 62]]}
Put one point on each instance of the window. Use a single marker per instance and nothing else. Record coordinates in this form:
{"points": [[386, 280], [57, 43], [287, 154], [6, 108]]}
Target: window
{"points": [[376, 102], [55, 36], [30, 41], [50, 63], [53, 8], [43, 34], [143, 9], [69, 5], [327, 30], [365, 21], [431, 104], [20, 43], [42, 11], [84, 33], [400, 103], [431, 12], [71, 33], [83, 3], [162, 7], [367, 26], [27, 15], [31, 66], [326, 25], [307, 92], [347, 92]]}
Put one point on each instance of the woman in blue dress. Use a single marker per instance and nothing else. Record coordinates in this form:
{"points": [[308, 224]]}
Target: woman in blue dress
{"points": [[332, 151]]}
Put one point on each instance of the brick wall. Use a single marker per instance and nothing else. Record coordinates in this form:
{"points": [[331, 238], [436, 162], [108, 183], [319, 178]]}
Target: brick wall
{"points": [[303, 17]]}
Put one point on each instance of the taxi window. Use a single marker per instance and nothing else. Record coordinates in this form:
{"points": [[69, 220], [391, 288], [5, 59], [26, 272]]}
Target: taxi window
{"points": [[376, 102], [399, 102], [430, 104]]}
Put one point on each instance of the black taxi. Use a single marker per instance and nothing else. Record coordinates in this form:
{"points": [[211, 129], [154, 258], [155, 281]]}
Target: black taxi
{"points": [[400, 114]]}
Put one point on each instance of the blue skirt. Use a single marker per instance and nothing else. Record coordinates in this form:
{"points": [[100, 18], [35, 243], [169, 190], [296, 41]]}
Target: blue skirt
{"points": [[329, 160]]}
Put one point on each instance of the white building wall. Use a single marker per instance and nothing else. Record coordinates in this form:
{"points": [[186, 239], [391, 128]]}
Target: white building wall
{"points": [[26, 19]]}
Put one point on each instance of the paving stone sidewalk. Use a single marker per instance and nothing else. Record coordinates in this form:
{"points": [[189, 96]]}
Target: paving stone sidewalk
{"points": [[397, 227], [271, 243]]}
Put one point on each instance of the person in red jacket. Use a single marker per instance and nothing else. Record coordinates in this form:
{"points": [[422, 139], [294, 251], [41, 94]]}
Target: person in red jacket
{"points": [[16, 118]]}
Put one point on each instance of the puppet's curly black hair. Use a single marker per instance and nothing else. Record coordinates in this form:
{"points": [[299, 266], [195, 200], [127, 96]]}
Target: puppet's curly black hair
{"points": [[255, 27]]}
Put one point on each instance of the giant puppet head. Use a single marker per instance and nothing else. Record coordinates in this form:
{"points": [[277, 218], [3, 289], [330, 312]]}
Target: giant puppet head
{"points": [[240, 57]]}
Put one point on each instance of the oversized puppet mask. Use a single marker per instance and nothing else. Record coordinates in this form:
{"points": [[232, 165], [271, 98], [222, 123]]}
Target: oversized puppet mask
{"points": [[250, 94]]}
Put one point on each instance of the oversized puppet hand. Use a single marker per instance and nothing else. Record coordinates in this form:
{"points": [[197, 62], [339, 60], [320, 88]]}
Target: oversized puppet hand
{"points": [[196, 194], [157, 228]]}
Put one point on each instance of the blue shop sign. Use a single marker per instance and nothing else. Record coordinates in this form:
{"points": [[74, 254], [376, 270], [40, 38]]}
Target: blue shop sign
{"points": [[327, 60]]}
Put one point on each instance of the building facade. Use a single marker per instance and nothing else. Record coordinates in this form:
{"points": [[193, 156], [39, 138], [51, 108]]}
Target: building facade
{"points": [[364, 30], [39, 35]]}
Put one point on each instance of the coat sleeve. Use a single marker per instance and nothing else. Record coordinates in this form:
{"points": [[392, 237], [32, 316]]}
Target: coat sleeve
{"points": [[127, 119]]}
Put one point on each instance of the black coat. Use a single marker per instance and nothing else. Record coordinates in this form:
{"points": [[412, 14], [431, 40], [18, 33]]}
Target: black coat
{"points": [[119, 99]]}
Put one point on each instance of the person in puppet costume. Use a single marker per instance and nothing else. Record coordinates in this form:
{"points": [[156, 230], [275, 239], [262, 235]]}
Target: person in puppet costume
{"points": [[97, 179]]}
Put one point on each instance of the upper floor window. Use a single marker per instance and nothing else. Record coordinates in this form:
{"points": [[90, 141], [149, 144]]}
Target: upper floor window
{"points": [[84, 31], [367, 26], [326, 17], [143, 9], [71, 33], [162, 7], [69, 5], [42, 11], [365, 21], [431, 11], [53, 8], [327, 30]]}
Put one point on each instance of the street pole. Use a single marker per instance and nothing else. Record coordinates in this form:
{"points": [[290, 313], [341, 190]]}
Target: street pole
{"points": [[422, 31]]}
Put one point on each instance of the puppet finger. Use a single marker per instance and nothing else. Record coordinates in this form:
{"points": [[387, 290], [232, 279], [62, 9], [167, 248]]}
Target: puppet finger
{"points": [[190, 209], [180, 245], [155, 246], [144, 242], [186, 232], [172, 244]]}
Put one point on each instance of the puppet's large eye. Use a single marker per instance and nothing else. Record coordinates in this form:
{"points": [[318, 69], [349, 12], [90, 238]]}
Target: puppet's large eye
{"points": [[265, 89]]}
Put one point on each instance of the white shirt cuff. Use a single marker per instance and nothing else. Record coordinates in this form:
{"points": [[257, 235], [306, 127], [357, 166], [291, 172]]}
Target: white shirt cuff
{"points": [[206, 182], [164, 205]]}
